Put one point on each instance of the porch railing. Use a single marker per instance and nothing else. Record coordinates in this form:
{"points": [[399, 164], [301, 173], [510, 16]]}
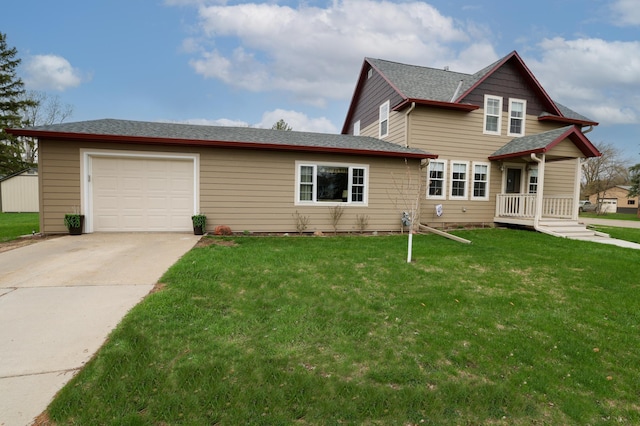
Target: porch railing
{"points": [[523, 206]]}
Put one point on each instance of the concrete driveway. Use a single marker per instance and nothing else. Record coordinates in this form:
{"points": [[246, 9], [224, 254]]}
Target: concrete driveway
{"points": [[59, 300]]}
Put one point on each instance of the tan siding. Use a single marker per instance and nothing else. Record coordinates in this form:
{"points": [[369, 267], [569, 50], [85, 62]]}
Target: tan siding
{"points": [[20, 194], [60, 184], [245, 190], [559, 177], [456, 135]]}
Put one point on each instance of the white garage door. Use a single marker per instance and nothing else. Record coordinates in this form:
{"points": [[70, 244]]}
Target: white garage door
{"points": [[609, 205], [140, 194]]}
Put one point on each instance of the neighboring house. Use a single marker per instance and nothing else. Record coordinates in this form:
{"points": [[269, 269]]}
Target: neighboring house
{"points": [[19, 192], [139, 176], [507, 153], [616, 200]]}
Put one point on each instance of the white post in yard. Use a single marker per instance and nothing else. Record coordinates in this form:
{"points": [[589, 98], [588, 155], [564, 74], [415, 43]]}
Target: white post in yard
{"points": [[410, 246]]}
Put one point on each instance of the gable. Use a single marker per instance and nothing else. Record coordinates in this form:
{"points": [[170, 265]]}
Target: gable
{"points": [[508, 81], [370, 93]]}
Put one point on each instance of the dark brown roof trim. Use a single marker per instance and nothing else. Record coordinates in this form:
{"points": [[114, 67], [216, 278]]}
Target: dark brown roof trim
{"points": [[439, 104], [212, 143], [566, 120]]}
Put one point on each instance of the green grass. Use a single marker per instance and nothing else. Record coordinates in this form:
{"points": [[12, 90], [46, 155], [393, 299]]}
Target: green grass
{"points": [[14, 225], [518, 328], [616, 216], [628, 234]]}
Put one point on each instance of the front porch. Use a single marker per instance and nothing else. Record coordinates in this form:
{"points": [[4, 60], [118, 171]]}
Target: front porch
{"points": [[521, 209]]}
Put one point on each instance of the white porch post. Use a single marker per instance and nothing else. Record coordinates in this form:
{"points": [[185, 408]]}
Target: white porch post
{"points": [[576, 188], [540, 193]]}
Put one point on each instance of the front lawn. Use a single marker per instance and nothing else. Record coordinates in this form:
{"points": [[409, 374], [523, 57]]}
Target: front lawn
{"points": [[616, 216], [14, 225], [516, 328]]}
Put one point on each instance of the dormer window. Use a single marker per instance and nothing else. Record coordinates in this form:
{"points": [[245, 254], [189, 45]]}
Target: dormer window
{"points": [[492, 114], [517, 113]]}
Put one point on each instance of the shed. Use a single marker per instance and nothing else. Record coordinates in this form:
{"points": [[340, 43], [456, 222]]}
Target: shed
{"points": [[19, 192]]}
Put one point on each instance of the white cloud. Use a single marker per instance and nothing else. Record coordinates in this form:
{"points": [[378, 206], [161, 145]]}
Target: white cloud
{"points": [[298, 121], [598, 78], [626, 12], [316, 52], [51, 72]]}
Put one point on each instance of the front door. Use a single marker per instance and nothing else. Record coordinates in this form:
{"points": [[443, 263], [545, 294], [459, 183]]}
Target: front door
{"points": [[514, 177]]}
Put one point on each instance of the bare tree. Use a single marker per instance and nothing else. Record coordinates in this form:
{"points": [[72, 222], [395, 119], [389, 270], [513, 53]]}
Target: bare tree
{"points": [[43, 110], [602, 173], [408, 193]]}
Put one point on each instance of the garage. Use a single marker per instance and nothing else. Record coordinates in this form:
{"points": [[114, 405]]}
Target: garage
{"points": [[608, 205], [138, 194]]}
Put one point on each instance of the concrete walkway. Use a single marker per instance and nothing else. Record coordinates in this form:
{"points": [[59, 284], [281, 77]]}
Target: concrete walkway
{"points": [[60, 299], [615, 223]]}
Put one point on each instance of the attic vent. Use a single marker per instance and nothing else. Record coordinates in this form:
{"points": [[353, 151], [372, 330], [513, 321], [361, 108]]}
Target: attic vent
{"points": [[370, 73]]}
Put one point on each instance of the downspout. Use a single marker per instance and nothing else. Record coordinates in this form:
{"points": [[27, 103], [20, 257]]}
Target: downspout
{"points": [[406, 124], [540, 192]]}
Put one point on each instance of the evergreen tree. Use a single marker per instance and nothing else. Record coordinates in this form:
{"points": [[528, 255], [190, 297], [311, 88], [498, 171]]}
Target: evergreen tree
{"points": [[12, 105], [281, 125]]}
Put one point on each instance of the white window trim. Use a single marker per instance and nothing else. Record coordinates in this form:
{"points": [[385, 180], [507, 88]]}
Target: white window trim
{"points": [[524, 116], [444, 180], [466, 181], [383, 115], [314, 201], [356, 128], [86, 189], [529, 175], [473, 180], [484, 121]]}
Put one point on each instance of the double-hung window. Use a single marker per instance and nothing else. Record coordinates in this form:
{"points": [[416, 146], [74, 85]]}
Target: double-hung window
{"points": [[331, 183], [517, 114], [533, 181], [383, 120], [436, 185], [492, 114], [480, 181], [459, 179]]}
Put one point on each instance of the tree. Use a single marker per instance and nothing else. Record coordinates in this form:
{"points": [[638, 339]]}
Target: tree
{"points": [[12, 106], [43, 110], [634, 179], [281, 125], [604, 172]]}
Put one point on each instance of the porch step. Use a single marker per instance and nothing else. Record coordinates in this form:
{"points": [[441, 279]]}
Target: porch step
{"points": [[568, 229]]}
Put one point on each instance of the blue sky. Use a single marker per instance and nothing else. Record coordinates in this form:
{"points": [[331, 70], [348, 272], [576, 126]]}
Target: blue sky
{"points": [[252, 63]]}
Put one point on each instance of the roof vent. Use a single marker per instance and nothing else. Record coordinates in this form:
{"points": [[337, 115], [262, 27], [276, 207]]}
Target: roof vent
{"points": [[446, 67]]}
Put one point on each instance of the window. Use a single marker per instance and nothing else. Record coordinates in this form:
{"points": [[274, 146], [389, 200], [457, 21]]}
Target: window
{"points": [[533, 181], [459, 179], [492, 114], [436, 183], [331, 183], [480, 181], [631, 202], [517, 113], [384, 120], [356, 128]]}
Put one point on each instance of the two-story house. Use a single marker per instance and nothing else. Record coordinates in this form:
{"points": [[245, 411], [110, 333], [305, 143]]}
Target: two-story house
{"points": [[482, 148], [507, 153]]}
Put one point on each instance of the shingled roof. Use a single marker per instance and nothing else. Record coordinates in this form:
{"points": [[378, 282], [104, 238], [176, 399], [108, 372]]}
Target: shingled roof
{"points": [[126, 131], [543, 142], [448, 89]]}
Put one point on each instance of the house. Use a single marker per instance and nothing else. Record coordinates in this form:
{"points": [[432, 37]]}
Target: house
{"points": [[483, 148], [507, 153], [139, 176], [616, 200], [19, 192]]}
